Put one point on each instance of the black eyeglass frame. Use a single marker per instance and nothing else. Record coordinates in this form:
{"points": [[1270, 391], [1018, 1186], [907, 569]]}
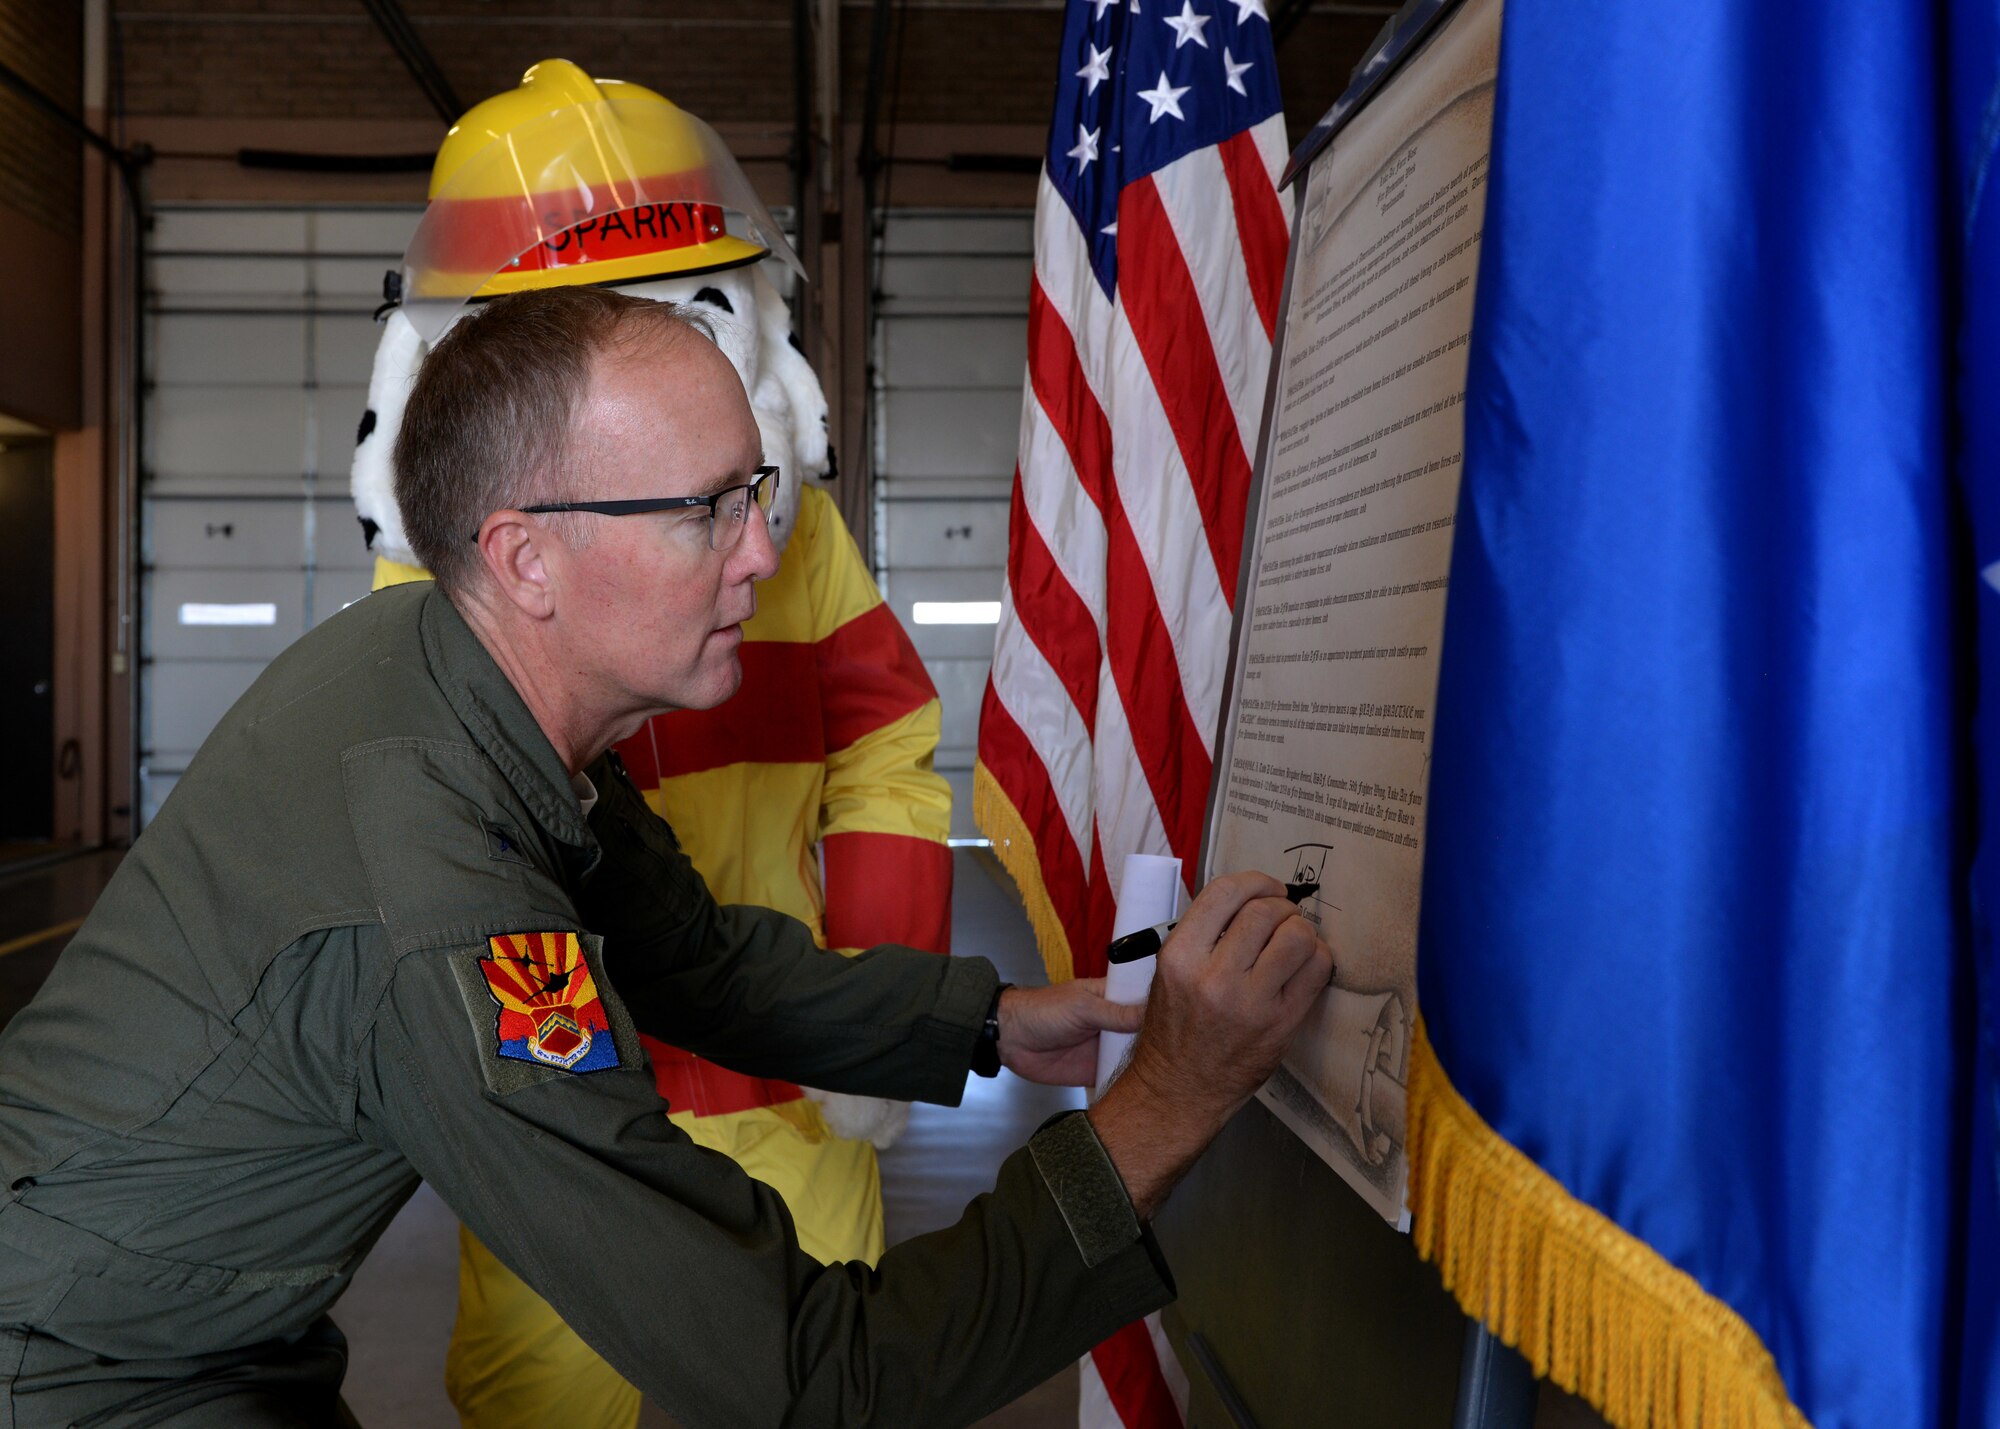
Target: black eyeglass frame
{"points": [[646, 505]]}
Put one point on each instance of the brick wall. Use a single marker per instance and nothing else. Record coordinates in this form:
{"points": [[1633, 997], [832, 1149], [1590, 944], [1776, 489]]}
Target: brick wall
{"points": [[41, 215], [325, 59], [41, 164]]}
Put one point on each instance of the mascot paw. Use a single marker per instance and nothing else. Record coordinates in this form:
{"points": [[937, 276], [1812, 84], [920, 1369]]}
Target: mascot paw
{"points": [[875, 1120]]}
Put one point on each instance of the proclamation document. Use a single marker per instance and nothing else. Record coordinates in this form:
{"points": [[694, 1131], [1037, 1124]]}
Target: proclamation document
{"points": [[1324, 758]]}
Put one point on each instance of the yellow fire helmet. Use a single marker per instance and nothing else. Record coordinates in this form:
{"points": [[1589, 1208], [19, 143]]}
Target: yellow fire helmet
{"points": [[567, 180]]}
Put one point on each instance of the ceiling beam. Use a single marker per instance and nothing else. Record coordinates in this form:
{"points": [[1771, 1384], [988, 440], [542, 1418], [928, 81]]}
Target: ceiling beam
{"points": [[416, 56]]}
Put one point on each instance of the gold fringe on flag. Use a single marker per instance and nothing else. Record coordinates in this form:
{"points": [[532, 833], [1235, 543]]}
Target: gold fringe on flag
{"points": [[1589, 1305], [1001, 822]]}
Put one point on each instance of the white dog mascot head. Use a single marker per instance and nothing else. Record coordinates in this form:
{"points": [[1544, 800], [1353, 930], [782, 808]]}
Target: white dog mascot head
{"points": [[649, 186]]}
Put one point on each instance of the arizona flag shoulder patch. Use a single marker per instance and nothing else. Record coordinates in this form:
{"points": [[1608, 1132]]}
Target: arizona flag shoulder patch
{"points": [[550, 1011]]}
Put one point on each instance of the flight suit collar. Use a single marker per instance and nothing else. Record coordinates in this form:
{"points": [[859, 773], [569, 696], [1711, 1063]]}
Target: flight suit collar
{"points": [[498, 719]]}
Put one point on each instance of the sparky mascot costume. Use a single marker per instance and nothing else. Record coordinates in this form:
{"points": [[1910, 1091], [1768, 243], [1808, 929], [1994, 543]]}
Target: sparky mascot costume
{"points": [[811, 790]]}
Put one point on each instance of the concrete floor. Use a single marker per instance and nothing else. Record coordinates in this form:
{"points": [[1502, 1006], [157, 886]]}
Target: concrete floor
{"points": [[398, 1312]]}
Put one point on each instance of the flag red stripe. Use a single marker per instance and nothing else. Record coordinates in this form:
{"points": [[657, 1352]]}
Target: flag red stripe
{"points": [[1059, 384], [1051, 612], [1144, 665], [1164, 733], [1089, 960], [1260, 223], [1130, 1370], [1019, 770], [1159, 300]]}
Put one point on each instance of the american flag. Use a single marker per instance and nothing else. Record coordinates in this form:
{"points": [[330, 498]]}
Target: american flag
{"points": [[1159, 259]]}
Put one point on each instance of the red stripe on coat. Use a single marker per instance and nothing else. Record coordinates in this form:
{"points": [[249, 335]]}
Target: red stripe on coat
{"points": [[882, 888], [642, 760], [1144, 665], [869, 674], [1159, 299], [695, 1084], [758, 724]]}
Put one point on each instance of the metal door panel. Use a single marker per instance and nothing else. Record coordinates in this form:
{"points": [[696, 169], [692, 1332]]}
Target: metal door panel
{"points": [[906, 490], [174, 612], [344, 347], [951, 349], [907, 588], [960, 232], [351, 284], [155, 786], [187, 699], [337, 588], [203, 349], [962, 823], [956, 352], [942, 283], [937, 433], [961, 684], [209, 433], [384, 229], [227, 229], [956, 535], [337, 543], [195, 282], [195, 485], [337, 409], [218, 534], [260, 344]]}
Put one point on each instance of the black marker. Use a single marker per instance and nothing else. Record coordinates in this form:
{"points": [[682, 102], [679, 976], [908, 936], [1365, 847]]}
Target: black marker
{"points": [[1147, 941]]}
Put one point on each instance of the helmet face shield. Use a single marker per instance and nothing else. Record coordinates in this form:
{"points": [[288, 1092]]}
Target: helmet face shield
{"points": [[613, 190]]}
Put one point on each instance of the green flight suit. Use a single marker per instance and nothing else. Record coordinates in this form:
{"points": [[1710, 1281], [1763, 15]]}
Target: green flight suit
{"points": [[276, 1020]]}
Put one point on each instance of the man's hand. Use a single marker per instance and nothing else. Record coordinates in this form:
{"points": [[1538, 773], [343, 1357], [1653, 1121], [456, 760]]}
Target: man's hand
{"points": [[1049, 1034], [1235, 982]]}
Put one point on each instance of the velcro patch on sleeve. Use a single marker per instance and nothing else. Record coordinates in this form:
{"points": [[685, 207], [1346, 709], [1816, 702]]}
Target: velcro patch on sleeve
{"points": [[1086, 1187], [536, 1001]]}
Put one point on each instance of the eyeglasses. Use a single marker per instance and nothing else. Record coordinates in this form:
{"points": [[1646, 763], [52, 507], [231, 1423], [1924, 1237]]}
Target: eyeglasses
{"points": [[728, 509]]}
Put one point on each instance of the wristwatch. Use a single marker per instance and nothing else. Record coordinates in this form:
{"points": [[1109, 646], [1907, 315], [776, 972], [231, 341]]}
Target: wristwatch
{"points": [[986, 1051]]}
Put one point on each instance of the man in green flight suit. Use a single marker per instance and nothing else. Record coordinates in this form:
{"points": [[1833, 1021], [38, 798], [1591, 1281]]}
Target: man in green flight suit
{"points": [[403, 918]]}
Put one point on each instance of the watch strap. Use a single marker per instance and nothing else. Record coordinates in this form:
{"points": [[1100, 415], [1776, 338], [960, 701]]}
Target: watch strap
{"points": [[986, 1050]]}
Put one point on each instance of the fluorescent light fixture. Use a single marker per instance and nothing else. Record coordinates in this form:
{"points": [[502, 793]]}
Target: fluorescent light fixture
{"points": [[968, 843], [252, 612], [956, 612]]}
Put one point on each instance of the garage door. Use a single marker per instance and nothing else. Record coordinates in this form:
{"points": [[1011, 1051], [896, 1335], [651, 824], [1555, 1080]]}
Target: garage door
{"points": [[951, 351], [259, 342]]}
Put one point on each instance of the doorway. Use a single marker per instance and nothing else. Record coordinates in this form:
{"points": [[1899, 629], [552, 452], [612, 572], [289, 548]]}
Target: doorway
{"points": [[27, 642]]}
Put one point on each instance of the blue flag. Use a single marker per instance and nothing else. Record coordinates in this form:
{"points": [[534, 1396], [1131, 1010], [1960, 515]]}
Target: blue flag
{"points": [[1703, 930]]}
